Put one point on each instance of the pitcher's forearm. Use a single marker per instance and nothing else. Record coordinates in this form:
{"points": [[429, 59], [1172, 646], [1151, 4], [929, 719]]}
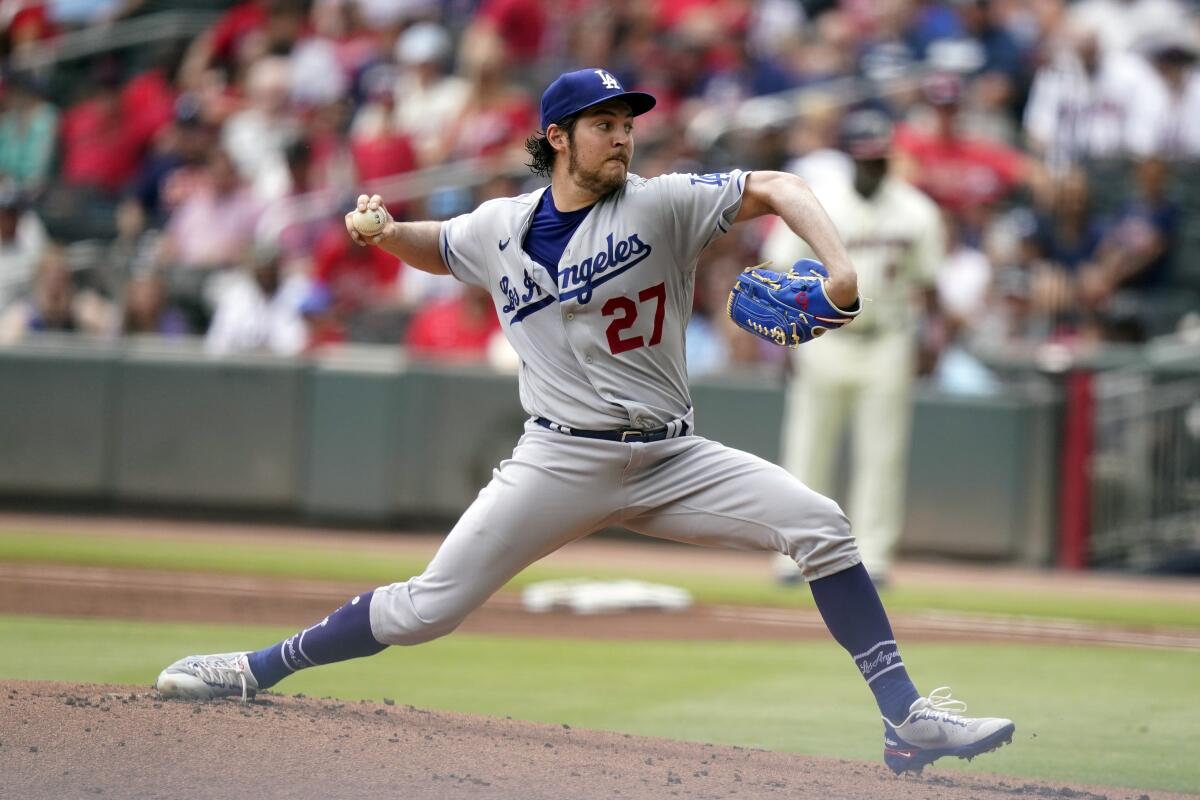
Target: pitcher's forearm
{"points": [[416, 244]]}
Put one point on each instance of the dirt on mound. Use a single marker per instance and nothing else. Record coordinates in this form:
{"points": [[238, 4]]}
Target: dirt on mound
{"points": [[74, 741]]}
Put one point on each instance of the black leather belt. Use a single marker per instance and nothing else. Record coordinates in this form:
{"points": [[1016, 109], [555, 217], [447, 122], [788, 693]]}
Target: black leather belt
{"points": [[619, 434]]}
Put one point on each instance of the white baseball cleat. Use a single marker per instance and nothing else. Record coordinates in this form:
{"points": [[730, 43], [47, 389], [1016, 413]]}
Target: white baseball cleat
{"points": [[935, 728], [206, 677]]}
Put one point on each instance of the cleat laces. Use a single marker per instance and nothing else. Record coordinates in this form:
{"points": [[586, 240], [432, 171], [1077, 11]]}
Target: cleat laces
{"points": [[222, 672], [939, 706]]}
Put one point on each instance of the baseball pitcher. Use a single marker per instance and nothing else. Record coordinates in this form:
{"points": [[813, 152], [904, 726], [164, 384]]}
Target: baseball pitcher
{"points": [[592, 279]]}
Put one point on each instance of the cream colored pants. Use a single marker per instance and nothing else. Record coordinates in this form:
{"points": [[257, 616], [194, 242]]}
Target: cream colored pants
{"points": [[866, 381]]}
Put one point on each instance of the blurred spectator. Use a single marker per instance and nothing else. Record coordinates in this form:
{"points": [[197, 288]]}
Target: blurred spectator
{"points": [[295, 225], [742, 74], [1135, 250], [214, 226], [28, 133], [259, 310], [257, 136], [101, 145], [813, 142], [497, 116], [244, 34], [177, 164], [427, 100], [23, 24], [514, 27], [1165, 113], [332, 160], [987, 51], [22, 242], [893, 234], [831, 51], [53, 304], [391, 16], [316, 74], [1080, 103], [458, 328], [963, 174], [341, 23], [890, 46], [964, 281], [355, 278], [148, 104], [1067, 231], [1013, 319], [379, 146], [964, 290], [1124, 25], [146, 308]]}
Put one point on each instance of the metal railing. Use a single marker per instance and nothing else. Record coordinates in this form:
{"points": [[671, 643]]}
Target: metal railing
{"points": [[1145, 470], [106, 38]]}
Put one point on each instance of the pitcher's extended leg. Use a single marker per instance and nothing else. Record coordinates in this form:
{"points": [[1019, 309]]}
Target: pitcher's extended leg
{"points": [[527, 511]]}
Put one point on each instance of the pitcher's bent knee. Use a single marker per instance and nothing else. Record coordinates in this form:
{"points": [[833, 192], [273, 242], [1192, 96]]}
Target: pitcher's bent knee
{"points": [[821, 543], [396, 620]]}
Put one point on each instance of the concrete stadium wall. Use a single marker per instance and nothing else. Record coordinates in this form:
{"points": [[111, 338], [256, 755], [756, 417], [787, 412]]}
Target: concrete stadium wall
{"points": [[371, 439]]}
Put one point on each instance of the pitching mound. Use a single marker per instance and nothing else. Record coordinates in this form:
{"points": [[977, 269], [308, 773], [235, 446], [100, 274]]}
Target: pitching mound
{"points": [[74, 741]]}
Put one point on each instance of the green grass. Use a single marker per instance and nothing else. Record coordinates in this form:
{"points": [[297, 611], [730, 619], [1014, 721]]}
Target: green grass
{"points": [[1117, 717], [370, 569]]}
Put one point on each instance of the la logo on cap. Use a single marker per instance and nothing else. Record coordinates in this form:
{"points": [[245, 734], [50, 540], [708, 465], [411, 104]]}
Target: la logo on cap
{"points": [[609, 81]]}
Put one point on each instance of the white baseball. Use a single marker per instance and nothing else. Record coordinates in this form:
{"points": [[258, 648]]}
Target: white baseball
{"points": [[369, 222]]}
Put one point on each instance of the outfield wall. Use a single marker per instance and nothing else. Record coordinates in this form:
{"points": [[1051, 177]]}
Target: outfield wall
{"points": [[369, 438]]}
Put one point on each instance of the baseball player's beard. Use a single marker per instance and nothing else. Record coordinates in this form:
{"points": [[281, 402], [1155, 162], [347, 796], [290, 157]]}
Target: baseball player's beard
{"points": [[595, 181]]}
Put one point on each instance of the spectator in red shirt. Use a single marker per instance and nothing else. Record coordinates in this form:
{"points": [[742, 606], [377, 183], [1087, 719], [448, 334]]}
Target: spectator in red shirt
{"points": [[965, 175], [378, 145], [518, 24], [101, 145], [148, 105], [458, 329], [356, 277]]}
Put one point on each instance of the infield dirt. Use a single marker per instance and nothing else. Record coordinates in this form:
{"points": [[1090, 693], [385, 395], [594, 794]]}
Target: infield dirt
{"points": [[70, 741]]}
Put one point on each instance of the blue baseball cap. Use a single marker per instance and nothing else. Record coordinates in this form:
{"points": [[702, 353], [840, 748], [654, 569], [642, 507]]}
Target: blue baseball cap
{"points": [[572, 92]]}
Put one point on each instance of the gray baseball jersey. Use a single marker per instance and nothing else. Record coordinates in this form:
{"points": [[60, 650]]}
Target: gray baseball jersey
{"points": [[602, 348]]}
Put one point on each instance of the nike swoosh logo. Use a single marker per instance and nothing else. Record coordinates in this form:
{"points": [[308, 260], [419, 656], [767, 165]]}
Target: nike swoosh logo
{"points": [[504, 244]]}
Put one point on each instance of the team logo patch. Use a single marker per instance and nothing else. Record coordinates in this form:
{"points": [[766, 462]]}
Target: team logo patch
{"points": [[609, 81]]}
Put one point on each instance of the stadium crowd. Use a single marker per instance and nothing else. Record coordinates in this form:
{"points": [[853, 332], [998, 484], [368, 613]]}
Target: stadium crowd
{"points": [[197, 188]]}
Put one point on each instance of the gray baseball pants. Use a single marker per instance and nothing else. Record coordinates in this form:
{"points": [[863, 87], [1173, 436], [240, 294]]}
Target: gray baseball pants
{"points": [[558, 488]]}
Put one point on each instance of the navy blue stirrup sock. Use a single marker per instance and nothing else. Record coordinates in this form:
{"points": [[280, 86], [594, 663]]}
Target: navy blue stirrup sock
{"points": [[344, 634], [854, 615]]}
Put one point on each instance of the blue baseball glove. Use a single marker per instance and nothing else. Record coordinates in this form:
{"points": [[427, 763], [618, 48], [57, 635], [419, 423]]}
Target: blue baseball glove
{"points": [[787, 308]]}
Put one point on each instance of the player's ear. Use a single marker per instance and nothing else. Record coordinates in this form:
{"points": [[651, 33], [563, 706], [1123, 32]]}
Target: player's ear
{"points": [[558, 137]]}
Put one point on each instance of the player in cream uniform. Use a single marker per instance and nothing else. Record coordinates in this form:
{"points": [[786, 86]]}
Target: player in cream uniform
{"points": [[592, 278], [863, 376]]}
